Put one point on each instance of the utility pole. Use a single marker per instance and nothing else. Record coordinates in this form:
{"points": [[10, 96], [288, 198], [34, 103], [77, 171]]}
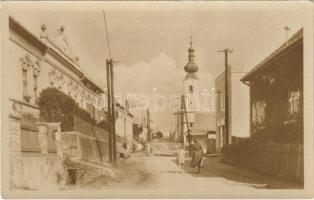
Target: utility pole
{"points": [[148, 126], [109, 109], [182, 119], [113, 112], [226, 52], [187, 125], [126, 110], [111, 101]]}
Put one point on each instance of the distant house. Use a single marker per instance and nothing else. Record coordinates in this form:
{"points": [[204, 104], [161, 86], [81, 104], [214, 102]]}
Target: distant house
{"points": [[276, 93], [124, 126], [137, 131], [204, 130]]}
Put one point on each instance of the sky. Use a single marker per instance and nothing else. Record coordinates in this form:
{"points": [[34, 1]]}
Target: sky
{"points": [[150, 42]]}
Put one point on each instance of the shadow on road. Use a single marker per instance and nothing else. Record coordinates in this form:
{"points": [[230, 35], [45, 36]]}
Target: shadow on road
{"points": [[214, 168]]}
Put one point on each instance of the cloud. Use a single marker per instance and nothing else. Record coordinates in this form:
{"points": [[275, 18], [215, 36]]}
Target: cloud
{"points": [[160, 73]]}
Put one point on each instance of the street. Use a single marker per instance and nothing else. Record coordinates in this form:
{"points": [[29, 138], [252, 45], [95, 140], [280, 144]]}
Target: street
{"points": [[160, 172]]}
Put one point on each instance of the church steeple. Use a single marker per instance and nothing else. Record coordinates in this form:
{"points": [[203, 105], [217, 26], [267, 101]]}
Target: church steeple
{"points": [[191, 66]]}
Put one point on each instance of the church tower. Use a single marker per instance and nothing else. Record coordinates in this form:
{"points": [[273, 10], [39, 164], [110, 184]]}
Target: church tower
{"points": [[191, 82]]}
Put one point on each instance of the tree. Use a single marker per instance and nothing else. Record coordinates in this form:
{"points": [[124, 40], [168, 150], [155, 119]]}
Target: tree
{"points": [[159, 134], [54, 104]]}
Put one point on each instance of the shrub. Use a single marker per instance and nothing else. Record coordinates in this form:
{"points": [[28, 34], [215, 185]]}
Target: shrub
{"points": [[54, 104]]}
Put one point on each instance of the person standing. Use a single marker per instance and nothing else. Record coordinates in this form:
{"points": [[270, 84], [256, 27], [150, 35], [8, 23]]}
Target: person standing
{"points": [[148, 149], [181, 158], [197, 155]]}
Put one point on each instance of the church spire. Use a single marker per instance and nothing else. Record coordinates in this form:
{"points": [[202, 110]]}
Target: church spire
{"points": [[191, 66], [191, 41]]}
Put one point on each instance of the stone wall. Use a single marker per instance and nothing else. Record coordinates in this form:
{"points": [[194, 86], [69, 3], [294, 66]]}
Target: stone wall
{"points": [[80, 146], [33, 171], [37, 172]]}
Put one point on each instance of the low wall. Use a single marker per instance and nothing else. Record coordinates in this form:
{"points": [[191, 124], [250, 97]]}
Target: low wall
{"points": [[75, 123], [35, 172], [282, 160], [85, 147]]}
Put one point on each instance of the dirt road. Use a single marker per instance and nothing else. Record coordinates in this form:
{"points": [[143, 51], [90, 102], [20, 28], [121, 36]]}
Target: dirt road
{"points": [[159, 172]]}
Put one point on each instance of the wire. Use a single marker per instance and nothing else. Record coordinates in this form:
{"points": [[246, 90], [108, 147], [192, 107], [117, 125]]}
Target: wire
{"points": [[108, 43]]}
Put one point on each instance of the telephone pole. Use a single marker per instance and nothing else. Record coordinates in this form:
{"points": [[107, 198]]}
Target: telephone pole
{"points": [[111, 101], [148, 127], [109, 108], [187, 124], [226, 52], [111, 111]]}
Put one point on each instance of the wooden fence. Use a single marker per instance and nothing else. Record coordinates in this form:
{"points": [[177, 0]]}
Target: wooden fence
{"points": [[283, 160]]}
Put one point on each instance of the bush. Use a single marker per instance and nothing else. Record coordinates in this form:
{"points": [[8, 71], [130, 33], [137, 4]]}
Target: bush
{"points": [[159, 134], [54, 104]]}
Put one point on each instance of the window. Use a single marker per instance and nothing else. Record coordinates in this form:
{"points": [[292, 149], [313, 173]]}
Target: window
{"points": [[222, 103], [294, 100], [29, 141], [191, 89], [218, 107], [258, 113], [25, 84], [35, 87]]}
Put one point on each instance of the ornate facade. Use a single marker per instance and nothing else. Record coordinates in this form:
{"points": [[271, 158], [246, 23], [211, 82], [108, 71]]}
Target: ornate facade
{"points": [[36, 63]]}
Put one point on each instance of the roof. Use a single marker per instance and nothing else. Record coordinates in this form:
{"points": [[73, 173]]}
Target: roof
{"points": [[203, 123], [297, 37]]}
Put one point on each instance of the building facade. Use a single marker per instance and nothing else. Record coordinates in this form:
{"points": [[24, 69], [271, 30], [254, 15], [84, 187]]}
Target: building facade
{"points": [[38, 63], [35, 63], [238, 101], [124, 126], [204, 131], [276, 94]]}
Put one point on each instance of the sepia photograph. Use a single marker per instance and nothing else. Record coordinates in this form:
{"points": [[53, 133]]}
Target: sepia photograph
{"points": [[172, 99]]}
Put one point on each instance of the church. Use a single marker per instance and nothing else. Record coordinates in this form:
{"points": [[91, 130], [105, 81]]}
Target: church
{"points": [[200, 123]]}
